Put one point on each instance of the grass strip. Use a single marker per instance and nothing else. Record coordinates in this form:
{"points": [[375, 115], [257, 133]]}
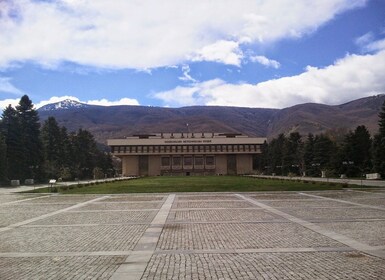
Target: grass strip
{"points": [[195, 184]]}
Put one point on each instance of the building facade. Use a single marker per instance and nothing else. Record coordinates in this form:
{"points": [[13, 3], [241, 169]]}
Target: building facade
{"points": [[186, 153]]}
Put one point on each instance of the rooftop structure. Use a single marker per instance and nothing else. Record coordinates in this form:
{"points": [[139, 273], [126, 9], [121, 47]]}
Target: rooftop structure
{"points": [[186, 153]]}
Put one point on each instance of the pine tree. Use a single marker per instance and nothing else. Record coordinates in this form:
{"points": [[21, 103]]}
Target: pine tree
{"points": [[355, 154], [276, 150], [324, 149], [308, 156], [53, 147], [11, 130], [379, 145], [292, 158], [381, 121], [31, 165], [84, 153], [3, 159]]}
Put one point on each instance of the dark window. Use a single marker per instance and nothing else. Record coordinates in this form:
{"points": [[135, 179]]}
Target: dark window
{"points": [[199, 160], [165, 161], [210, 160], [187, 160], [176, 161]]}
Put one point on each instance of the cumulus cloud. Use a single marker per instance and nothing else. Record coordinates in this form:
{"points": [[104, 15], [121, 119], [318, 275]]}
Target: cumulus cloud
{"points": [[101, 102], [265, 61], [349, 78], [148, 34], [54, 99], [105, 102], [226, 52], [6, 102]]}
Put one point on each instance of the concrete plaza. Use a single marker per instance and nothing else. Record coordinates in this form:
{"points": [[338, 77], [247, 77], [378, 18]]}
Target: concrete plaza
{"points": [[280, 235]]}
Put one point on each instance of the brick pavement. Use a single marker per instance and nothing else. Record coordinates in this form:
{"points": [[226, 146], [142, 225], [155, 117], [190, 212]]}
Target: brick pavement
{"points": [[296, 235]]}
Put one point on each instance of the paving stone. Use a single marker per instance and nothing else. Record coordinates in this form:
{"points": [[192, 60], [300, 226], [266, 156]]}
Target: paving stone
{"points": [[64, 199], [206, 236], [344, 195], [5, 198], [223, 215], [335, 214], [10, 218], [79, 267], [212, 204], [318, 265], [30, 207], [240, 236], [206, 197], [380, 202], [134, 198], [369, 232], [97, 217], [279, 196], [307, 203], [71, 239], [120, 206]]}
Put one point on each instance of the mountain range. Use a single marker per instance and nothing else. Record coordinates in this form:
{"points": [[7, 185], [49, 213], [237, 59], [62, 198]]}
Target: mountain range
{"points": [[122, 121]]}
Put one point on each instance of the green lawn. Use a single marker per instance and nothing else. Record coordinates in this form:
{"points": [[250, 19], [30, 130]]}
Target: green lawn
{"points": [[197, 184]]}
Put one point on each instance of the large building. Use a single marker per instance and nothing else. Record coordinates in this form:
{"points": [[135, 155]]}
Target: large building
{"points": [[186, 153]]}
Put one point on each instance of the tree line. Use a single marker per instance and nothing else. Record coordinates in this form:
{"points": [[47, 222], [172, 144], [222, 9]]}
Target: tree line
{"points": [[29, 150], [354, 156]]}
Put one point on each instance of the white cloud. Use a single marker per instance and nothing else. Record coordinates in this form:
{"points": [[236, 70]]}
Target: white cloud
{"points": [[5, 102], [101, 102], [8, 87], [105, 102], [55, 99], [349, 78], [265, 61], [364, 39], [368, 43], [186, 74], [226, 52], [376, 45], [148, 34]]}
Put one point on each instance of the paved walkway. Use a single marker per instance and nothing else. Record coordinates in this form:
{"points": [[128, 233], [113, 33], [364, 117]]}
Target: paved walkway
{"points": [[280, 235], [24, 188], [363, 182]]}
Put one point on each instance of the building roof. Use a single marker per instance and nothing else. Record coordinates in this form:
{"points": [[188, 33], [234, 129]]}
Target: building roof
{"points": [[186, 139]]}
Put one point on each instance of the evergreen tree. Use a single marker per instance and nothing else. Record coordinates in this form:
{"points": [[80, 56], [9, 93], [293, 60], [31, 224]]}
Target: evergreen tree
{"points": [[53, 147], [276, 152], [292, 158], [324, 149], [381, 121], [308, 156], [356, 153], [66, 156], [104, 164], [379, 145], [3, 159], [11, 130], [31, 165], [84, 153]]}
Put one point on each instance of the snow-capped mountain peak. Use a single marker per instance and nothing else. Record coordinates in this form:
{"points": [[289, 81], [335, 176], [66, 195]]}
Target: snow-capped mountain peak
{"points": [[64, 105]]}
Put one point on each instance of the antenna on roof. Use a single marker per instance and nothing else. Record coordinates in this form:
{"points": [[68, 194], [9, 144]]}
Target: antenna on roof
{"points": [[188, 128]]}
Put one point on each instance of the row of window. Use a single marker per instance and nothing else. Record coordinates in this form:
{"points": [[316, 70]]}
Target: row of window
{"points": [[185, 148], [188, 161]]}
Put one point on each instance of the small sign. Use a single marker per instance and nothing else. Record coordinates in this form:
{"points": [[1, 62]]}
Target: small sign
{"points": [[52, 181]]}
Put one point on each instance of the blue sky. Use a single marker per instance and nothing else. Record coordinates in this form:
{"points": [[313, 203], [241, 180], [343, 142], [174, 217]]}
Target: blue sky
{"points": [[250, 53]]}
